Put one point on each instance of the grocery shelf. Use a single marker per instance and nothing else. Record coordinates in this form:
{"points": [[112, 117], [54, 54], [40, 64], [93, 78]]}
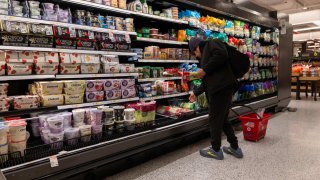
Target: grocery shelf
{"points": [[160, 18], [80, 76], [161, 41], [167, 61], [73, 106], [164, 96], [21, 48], [26, 77], [69, 25], [97, 6], [161, 78]]}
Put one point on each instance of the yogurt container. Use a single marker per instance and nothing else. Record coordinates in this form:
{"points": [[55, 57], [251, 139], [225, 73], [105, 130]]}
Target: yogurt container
{"points": [[129, 124], [44, 133], [55, 124], [18, 147], [17, 130], [78, 116], [72, 135], [95, 117], [67, 119], [85, 132], [35, 129], [56, 140]]}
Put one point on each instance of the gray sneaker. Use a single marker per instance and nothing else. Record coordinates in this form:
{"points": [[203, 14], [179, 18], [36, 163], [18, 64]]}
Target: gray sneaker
{"points": [[236, 153], [210, 153]]}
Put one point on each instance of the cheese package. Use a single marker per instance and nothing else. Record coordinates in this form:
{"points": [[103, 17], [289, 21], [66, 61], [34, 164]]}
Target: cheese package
{"points": [[113, 94], [94, 96], [73, 99], [109, 58], [127, 83], [129, 93], [50, 88], [74, 87], [52, 100], [94, 85], [69, 63], [46, 63], [32, 89], [19, 68], [25, 102], [111, 67], [90, 64], [127, 68], [4, 104], [112, 84]]}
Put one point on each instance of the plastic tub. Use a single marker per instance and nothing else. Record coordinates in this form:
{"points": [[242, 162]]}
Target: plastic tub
{"points": [[44, 133], [56, 140], [55, 124], [78, 116], [67, 119], [48, 6], [34, 4], [85, 133], [18, 147], [17, 130], [96, 117], [130, 124], [72, 135]]}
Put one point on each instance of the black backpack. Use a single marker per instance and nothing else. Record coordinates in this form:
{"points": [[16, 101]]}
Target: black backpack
{"points": [[240, 63]]}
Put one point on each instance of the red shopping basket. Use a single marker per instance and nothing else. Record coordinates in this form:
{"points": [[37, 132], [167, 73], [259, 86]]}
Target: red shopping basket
{"points": [[254, 127]]}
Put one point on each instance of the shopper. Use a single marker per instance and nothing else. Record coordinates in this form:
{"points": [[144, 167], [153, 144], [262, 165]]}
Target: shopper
{"points": [[218, 84]]}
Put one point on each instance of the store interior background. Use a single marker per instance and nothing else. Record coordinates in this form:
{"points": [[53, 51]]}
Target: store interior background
{"points": [[299, 24]]}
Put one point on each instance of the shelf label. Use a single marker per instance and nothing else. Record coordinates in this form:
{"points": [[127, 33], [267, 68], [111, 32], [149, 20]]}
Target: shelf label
{"points": [[54, 161]]}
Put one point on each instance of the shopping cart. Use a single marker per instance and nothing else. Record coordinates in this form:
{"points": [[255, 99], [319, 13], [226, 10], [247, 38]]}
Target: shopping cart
{"points": [[254, 126]]}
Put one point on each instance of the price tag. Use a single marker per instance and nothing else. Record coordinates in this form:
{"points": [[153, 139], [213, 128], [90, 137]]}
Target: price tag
{"points": [[54, 161]]}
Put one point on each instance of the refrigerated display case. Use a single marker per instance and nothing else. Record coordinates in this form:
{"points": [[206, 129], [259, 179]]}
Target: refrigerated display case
{"points": [[155, 43]]}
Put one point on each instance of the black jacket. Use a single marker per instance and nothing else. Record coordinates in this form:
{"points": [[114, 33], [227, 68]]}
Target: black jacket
{"points": [[214, 62]]}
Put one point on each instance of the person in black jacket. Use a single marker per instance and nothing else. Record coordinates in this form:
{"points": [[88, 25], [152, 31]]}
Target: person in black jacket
{"points": [[218, 84]]}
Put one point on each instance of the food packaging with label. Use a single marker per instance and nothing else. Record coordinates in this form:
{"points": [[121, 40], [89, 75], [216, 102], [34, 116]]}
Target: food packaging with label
{"points": [[25, 102], [90, 64], [94, 96], [19, 68], [129, 93], [4, 104], [74, 87], [50, 88], [94, 85], [127, 68], [4, 88], [113, 94], [46, 63], [73, 99], [70, 63], [109, 58], [51, 100], [127, 83], [112, 84], [111, 67]]}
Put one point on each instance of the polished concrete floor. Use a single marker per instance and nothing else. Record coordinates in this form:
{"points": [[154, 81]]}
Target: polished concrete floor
{"points": [[290, 150]]}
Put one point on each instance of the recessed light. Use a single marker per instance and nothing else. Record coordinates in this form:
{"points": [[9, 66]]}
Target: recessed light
{"points": [[305, 8]]}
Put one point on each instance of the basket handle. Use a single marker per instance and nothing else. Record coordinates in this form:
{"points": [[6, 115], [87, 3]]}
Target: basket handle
{"points": [[249, 107]]}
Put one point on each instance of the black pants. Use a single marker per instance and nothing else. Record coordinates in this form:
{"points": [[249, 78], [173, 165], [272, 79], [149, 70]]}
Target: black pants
{"points": [[219, 104]]}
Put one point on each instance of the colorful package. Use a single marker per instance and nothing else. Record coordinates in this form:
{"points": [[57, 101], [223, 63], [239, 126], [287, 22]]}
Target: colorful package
{"points": [[4, 104], [52, 100], [94, 85], [127, 68], [50, 87], [74, 87], [112, 84], [46, 63], [127, 83], [73, 99], [129, 93], [113, 94], [90, 64], [70, 63], [25, 102], [94, 96]]}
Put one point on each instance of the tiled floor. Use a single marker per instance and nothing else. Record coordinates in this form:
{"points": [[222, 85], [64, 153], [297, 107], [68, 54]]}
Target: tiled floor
{"points": [[291, 150]]}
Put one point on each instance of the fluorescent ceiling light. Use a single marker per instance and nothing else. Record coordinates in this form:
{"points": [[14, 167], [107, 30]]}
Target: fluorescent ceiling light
{"points": [[305, 8], [306, 29]]}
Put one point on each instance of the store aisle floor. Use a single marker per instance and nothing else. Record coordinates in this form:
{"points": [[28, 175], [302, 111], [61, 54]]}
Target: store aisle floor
{"points": [[291, 150]]}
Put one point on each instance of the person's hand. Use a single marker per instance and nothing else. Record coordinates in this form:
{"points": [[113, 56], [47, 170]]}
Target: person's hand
{"points": [[201, 73], [192, 97]]}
